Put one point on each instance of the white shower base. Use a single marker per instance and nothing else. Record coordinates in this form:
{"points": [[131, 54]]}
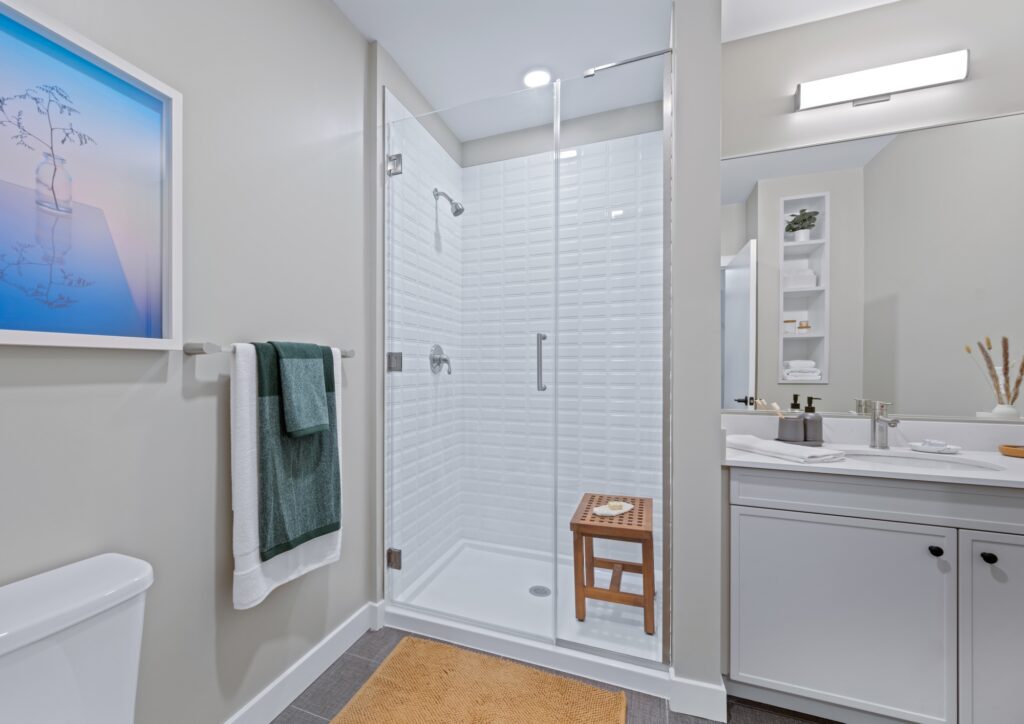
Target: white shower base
{"points": [[490, 585]]}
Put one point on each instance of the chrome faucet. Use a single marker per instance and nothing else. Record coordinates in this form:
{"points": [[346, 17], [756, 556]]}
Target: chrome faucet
{"points": [[439, 360], [880, 424]]}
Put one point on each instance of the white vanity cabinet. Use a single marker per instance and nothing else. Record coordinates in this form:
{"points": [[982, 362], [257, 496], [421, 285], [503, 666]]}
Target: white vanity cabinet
{"points": [[991, 627], [852, 611], [895, 597]]}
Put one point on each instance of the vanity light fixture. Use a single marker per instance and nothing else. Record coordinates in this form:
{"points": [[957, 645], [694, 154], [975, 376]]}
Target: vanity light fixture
{"points": [[878, 84], [536, 78]]}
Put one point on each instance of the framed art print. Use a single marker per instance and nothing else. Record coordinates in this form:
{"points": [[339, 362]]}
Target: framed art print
{"points": [[90, 193]]}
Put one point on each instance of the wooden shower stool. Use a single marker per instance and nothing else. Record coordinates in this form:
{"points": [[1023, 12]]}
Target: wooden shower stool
{"points": [[634, 527]]}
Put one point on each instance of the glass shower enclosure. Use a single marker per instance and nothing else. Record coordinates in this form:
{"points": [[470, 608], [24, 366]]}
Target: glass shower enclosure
{"points": [[524, 335]]}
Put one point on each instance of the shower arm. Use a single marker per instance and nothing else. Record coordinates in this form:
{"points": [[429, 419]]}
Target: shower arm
{"points": [[442, 193]]}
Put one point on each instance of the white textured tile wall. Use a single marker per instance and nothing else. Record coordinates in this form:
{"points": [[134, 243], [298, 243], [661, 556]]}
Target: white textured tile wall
{"points": [[423, 430], [508, 295], [610, 313]]}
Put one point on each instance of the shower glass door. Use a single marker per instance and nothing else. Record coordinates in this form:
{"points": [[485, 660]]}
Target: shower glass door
{"points": [[470, 439], [611, 330]]}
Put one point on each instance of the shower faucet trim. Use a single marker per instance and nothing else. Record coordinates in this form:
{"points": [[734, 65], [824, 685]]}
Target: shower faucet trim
{"points": [[439, 360]]}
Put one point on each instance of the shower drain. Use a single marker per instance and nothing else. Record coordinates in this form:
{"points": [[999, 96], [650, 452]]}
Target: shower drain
{"points": [[540, 591]]}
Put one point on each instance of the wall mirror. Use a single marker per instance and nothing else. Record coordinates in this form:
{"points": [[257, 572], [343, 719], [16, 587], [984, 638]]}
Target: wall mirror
{"points": [[868, 268]]}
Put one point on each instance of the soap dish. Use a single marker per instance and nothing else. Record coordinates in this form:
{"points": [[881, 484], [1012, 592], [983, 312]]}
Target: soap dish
{"points": [[604, 510], [1012, 451], [924, 448]]}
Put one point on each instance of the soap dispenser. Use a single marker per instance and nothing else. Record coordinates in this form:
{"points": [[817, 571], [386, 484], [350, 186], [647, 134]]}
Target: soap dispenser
{"points": [[813, 433], [795, 404]]}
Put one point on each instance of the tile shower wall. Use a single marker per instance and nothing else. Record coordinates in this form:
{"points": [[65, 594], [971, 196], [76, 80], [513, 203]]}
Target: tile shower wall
{"points": [[610, 314], [424, 437], [508, 290], [608, 343]]}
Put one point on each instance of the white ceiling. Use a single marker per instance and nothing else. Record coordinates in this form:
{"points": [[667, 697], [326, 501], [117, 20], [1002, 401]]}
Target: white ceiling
{"points": [[743, 18], [740, 174], [460, 51]]}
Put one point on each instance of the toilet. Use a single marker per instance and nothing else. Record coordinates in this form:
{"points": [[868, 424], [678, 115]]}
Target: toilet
{"points": [[70, 640]]}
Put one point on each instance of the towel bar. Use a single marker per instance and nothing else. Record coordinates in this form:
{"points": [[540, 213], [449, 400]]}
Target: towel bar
{"points": [[213, 348]]}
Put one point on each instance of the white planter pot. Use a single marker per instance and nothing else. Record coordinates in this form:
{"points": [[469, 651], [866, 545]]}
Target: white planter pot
{"points": [[802, 235], [1005, 412]]}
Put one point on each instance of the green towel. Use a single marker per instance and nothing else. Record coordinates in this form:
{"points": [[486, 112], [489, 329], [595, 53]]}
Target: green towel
{"points": [[299, 477], [303, 388]]}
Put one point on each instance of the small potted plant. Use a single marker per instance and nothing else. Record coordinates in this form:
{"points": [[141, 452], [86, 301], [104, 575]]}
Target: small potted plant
{"points": [[800, 225]]}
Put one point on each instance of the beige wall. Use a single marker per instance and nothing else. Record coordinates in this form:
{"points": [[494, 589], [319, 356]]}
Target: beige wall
{"points": [[617, 123], [943, 262], [734, 228], [846, 287], [129, 451], [697, 491], [760, 74]]}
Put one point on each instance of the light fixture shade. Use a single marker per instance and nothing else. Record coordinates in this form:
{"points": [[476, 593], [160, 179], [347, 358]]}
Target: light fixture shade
{"points": [[879, 83]]}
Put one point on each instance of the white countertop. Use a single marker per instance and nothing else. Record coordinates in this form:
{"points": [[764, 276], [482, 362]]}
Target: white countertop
{"points": [[1011, 474]]}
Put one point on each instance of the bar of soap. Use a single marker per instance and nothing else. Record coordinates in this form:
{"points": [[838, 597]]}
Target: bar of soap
{"points": [[615, 505]]}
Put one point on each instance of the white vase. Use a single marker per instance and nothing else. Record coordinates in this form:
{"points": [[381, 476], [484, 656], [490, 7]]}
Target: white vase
{"points": [[1005, 412], [802, 235]]}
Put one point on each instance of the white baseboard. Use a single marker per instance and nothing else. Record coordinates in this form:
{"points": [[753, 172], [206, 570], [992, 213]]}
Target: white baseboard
{"points": [[283, 690], [698, 698]]}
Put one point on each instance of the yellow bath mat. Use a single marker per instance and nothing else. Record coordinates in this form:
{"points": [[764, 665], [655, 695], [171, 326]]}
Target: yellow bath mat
{"points": [[426, 682]]}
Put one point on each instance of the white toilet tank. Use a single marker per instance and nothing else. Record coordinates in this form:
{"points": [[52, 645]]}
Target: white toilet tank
{"points": [[70, 640]]}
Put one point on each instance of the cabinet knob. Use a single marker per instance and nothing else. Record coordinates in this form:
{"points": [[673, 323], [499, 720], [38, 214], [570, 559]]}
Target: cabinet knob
{"points": [[936, 551], [990, 558]]}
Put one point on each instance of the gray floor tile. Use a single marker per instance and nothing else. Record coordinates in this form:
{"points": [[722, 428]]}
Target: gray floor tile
{"points": [[676, 718], [749, 712], [291, 715], [645, 709], [327, 695], [376, 645]]}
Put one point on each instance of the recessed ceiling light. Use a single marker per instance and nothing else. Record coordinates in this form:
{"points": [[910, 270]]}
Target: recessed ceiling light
{"points": [[536, 78]]}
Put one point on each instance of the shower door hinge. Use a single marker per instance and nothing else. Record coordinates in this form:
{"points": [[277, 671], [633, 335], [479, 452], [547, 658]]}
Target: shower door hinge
{"points": [[394, 558], [394, 164], [394, 362]]}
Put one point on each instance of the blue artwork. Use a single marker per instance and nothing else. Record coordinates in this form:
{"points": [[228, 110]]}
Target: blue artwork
{"points": [[81, 194]]}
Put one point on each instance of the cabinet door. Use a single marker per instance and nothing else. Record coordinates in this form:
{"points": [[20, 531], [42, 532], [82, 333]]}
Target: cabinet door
{"points": [[991, 627], [851, 611]]}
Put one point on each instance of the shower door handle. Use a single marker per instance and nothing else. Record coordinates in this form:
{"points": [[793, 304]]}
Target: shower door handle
{"points": [[541, 387]]}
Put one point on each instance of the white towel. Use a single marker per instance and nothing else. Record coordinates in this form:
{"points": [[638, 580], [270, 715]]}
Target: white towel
{"points": [[809, 375], [801, 364], [784, 451], [254, 579]]}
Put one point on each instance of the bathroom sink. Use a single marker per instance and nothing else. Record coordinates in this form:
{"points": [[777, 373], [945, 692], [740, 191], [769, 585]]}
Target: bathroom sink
{"points": [[920, 461]]}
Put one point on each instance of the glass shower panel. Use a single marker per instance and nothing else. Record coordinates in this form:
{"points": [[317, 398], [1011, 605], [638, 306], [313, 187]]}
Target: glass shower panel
{"points": [[469, 318], [610, 329]]}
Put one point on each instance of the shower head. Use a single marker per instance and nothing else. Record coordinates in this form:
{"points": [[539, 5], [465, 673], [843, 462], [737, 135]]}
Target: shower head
{"points": [[457, 208]]}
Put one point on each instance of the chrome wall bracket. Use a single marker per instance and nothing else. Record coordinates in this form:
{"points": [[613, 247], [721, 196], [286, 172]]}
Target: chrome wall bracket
{"points": [[394, 164]]}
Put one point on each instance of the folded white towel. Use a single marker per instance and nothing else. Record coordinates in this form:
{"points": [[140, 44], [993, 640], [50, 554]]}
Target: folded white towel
{"points": [[254, 579], [784, 451], [802, 375], [800, 364]]}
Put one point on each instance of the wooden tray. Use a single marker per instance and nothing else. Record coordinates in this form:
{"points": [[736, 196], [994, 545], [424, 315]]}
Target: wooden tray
{"points": [[1012, 451]]}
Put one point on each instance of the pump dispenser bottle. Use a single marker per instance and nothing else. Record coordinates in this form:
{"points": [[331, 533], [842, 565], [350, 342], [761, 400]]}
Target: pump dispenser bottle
{"points": [[813, 433]]}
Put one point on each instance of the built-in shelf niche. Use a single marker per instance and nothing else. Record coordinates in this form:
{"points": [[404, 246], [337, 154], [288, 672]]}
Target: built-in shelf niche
{"points": [[810, 300]]}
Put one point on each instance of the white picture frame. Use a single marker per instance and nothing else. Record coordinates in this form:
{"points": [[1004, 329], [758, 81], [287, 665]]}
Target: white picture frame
{"points": [[171, 190]]}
